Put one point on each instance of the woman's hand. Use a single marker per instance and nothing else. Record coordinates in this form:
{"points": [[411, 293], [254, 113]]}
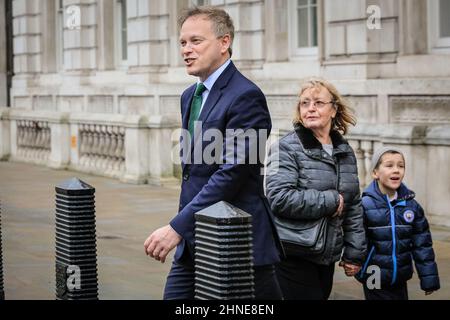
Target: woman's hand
{"points": [[350, 269], [340, 210]]}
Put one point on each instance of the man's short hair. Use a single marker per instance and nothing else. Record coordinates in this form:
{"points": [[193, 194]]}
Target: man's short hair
{"points": [[222, 22]]}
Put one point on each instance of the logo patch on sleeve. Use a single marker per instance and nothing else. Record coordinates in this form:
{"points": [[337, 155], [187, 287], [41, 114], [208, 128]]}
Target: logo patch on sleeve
{"points": [[408, 215]]}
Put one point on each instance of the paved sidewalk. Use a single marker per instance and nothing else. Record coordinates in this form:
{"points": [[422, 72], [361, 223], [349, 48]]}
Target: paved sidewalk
{"points": [[125, 216]]}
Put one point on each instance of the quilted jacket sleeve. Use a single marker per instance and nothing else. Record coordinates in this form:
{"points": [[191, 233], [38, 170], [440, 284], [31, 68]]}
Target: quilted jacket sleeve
{"points": [[423, 252], [355, 243], [286, 199]]}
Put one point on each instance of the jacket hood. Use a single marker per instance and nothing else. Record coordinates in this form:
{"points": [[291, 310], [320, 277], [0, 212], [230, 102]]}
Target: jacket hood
{"points": [[373, 191]]}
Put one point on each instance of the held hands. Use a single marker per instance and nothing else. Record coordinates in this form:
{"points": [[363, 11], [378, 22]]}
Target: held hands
{"points": [[427, 293], [160, 242], [350, 269], [340, 210]]}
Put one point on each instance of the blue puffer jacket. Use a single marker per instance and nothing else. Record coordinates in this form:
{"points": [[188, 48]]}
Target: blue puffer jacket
{"points": [[398, 232]]}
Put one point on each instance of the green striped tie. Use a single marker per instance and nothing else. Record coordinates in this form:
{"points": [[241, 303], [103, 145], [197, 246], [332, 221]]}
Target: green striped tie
{"points": [[196, 106]]}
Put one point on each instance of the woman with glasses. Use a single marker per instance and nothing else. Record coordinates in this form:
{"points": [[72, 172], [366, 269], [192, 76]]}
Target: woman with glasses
{"points": [[313, 189]]}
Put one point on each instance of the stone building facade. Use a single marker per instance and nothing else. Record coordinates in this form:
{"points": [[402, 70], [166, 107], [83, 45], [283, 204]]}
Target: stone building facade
{"points": [[96, 83]]}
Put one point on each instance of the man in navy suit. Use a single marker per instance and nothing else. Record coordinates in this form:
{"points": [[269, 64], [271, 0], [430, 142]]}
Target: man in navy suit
{"points": [[227, 102]]}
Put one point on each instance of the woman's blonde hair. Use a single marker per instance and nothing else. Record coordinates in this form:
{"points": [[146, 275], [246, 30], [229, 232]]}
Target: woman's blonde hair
{"points": [[344, 114]]}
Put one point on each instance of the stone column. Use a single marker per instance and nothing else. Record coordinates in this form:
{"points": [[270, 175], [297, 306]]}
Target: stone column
{"points": [[175, 7], [276, 30], [60, 142], [4, 134], [48, 43], [413, 27], [161, 162], [136, 149], [105, 36]]}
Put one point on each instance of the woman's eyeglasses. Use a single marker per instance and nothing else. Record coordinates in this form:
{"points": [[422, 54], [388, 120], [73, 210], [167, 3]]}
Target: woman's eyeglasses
{"points": [[304, 104]]}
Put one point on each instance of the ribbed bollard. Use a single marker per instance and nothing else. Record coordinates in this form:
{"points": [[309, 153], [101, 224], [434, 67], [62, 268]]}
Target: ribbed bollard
{"points": [[223, 253], [76, 253], [2, 292]]}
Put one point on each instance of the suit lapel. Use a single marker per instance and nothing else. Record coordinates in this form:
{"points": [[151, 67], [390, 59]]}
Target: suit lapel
{"points": [[216, 91], [186, 106], [186, 100], [211, 101]]}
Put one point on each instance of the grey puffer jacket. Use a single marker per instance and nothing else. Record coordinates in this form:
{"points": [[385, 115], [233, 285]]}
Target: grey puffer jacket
{"points": [[303, 182]]}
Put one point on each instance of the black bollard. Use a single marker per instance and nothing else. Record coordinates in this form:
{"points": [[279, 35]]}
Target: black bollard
{"points": [[76, 250], [2, 292], [223, 253]]}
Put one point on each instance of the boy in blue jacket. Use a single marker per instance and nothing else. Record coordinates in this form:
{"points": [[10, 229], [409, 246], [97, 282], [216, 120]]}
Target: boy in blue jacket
{"points": [[397, 233]]}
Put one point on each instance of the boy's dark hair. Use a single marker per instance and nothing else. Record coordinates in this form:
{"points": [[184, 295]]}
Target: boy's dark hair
{"points": [[222, 22]]}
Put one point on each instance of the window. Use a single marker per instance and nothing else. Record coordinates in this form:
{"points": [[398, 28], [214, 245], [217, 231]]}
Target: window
{"points": [[199, 3], [121, 32], [439, 25], [444, 19], [59, 34], [304, 27]]}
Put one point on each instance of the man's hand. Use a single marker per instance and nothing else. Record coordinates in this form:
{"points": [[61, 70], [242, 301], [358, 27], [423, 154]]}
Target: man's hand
{"points": [[340, 210], [160, 242], [350, 269]]}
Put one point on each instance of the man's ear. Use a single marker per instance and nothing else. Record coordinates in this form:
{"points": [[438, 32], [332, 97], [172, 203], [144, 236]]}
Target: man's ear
{"points": [[225, 42]]}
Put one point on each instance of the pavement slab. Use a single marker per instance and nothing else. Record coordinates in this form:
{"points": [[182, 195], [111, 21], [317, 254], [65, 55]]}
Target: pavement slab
{"points": [[125, 215]]}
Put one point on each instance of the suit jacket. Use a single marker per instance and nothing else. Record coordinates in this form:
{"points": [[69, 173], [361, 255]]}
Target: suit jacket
{"points": [[234, 102]]}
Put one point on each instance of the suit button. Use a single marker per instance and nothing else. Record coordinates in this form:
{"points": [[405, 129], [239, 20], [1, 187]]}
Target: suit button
{"points": [[186, 177]]}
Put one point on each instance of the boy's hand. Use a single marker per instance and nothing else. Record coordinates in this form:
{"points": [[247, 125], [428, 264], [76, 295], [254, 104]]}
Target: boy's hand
{"points": [[427, 293]]}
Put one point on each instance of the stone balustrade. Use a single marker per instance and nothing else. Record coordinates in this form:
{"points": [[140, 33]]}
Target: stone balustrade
{"points": [[37, 137], [102, 147], [99, 144], [33, 139], [132, 148]]}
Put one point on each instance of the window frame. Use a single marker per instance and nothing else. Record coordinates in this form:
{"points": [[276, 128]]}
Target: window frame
{"points": [[195, 3], [59, 34], [436, 43], [294, 50], [118, 39]]}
